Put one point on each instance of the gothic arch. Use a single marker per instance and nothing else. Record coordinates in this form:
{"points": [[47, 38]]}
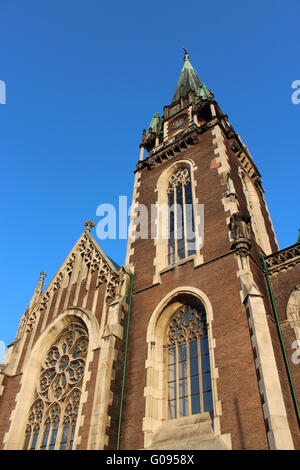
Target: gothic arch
{"points": [[161, 259], [255, 210], [293, 311], [32, 369], [155, 390]]}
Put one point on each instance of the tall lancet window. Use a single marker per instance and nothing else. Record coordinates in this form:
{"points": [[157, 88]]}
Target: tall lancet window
{"points": [[189, 376], [53, 415], [182, 241]]}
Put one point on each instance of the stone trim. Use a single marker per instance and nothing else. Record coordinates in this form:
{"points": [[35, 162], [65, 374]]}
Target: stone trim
{"points": [[278, 431], [133, 216], [103, 397], [229, 200], [255, 210], [155, 390]]}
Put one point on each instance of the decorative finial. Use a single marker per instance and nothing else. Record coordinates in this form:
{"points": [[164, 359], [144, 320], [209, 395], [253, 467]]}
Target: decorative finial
{"points": [[89, 224], [38, 290], [186, 56]]}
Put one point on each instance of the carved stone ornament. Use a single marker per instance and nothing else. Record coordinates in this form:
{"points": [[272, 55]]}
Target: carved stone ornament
{"points": [[95, 261], [113, 285], [31, 321], [57, 282], [186, 324], [70, 263], [22, 326], [240, 224], [44, 301], [63, 365], [284, 259], [89, 224], [182, 176]]}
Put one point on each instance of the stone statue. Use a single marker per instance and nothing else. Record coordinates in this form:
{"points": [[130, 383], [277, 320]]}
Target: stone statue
{"points": [[240, 225]]}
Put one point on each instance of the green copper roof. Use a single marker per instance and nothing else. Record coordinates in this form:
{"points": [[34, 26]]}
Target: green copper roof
{"points": [[155, 122], [189, 80]]}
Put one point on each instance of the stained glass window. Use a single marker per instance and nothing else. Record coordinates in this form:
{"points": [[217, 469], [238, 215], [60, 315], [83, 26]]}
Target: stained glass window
{"points": [[189, 376], [181, 217], [54, 412]]}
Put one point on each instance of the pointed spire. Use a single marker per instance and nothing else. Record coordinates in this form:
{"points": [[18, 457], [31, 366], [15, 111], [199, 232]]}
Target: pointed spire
{"points": [[189, 80], [38, 290]]}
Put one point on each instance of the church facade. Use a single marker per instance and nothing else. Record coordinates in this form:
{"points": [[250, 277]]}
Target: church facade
{"points": [[194, 342]]}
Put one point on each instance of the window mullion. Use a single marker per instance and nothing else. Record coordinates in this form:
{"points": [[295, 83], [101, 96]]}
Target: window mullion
{"points": [[72, 433], [175, 225], [30, 438], [177, 381], [200, 375], [40, 436], [189, 376], [184, 221], [59, 434], [69, 433]]}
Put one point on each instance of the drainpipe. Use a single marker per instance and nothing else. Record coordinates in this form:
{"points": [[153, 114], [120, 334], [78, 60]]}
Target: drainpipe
{"points": [[281, 340], [125, 361]]}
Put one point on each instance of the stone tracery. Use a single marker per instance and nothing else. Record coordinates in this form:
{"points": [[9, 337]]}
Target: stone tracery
{"points": [[58, 390]]}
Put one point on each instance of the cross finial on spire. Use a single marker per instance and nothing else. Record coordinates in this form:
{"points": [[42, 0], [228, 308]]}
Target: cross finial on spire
{"points": [[186, 56]]}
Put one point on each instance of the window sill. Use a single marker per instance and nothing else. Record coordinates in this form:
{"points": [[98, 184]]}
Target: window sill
{"points": [[189, 432], [170, 267]]}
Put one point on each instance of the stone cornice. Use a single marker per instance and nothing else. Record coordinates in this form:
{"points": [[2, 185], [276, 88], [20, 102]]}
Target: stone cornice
{"points": [[168, 149], [188, 137], [283, 259]]}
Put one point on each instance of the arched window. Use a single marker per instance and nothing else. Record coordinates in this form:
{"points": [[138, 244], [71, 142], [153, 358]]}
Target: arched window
{"points": [[53, 415], [255, 210], [293, 311], [189, 375], [34, 424], [182, 241], [69, 423]]}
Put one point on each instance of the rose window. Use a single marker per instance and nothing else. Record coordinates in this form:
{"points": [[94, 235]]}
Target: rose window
{"points": [[53, 415], [63, 366]]}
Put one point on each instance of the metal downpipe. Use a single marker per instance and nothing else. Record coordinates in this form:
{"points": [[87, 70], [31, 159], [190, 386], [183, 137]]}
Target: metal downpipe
{"points": [[125, 362]]}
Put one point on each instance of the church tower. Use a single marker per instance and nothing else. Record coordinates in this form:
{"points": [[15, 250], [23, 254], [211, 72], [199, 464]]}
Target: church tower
{"points": [[192, 343], [202, 372]]}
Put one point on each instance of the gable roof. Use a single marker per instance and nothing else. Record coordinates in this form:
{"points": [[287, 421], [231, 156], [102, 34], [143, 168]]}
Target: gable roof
{"points": [[93, 256]]}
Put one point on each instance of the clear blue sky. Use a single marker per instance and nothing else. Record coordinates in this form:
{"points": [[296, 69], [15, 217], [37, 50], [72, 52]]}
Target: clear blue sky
{"points": [[84, 78]]}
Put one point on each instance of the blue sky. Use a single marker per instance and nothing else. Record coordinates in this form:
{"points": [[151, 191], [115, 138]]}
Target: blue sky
{"points": [[82, 81]]}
